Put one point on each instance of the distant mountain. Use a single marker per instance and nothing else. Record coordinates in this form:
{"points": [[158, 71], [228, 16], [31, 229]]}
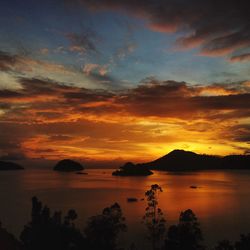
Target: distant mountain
{"points": [[68, 165], [6, 165], [181, 160], [130, 169]]}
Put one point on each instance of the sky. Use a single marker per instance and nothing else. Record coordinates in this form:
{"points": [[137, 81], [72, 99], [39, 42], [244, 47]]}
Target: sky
{"points": [[111, 80]]}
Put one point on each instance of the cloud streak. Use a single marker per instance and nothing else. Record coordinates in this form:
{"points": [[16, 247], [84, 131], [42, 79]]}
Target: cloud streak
{"points": [[218, 28], [100, 123], [241, 58]]}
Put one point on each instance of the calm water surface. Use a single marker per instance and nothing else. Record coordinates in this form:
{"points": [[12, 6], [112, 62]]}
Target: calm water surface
{"points": [[222, 201]]}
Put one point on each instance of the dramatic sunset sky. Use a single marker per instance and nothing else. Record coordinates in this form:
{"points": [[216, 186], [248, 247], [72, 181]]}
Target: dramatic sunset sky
{"points": [[103, 80]]}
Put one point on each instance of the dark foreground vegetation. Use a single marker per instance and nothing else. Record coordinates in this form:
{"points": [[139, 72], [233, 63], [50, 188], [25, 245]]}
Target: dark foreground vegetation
{"points": [[47, 231]]}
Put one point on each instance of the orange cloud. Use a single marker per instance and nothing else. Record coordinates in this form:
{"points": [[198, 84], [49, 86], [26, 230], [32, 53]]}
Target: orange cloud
{"points": [[52, 120]]}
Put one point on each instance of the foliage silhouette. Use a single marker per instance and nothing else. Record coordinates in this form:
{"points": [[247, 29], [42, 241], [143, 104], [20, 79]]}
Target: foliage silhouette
{"points": [[243, 243], [224, 245], [186, 235], [50, 232], [8, 241], [154, 218], [54, 232], [102, 230]]}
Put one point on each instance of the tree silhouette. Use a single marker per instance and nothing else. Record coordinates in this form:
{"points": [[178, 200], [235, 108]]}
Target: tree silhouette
{"points": [[224, 245], [54, 232], [243, 243], [186, 235], [8, 241], [50, 232], [102, 230], [154, 218]]}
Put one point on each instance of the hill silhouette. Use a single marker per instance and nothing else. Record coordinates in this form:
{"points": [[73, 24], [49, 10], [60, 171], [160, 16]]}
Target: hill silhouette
{"points": [[68, 165], [181, 160], [131, 169], [7, 165]]}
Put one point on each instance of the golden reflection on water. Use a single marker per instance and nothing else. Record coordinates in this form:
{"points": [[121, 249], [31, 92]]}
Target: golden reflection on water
{"points": [[220, 200]]}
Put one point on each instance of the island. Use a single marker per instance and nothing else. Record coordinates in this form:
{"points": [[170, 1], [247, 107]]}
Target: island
{"points": [[131, 169], [68, 165], [181, 160], [6, 165]]}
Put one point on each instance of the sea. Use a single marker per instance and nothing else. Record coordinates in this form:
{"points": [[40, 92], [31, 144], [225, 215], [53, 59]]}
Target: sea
{"points": [[220, 199]]}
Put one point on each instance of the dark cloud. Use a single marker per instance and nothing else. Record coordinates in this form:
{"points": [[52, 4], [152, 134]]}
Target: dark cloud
{"points": [[219, 27], [33, 86], [84, 42], [5, 93], [22, 63], [49, 115], [88, 96], [178, 99], [228, 102], [60, 137], [11, 137], [229, 115], [4, 106], [151, 98], [44, 100], [13, 157], [32, 90], [7, 61], [241, 58], [240, 133]]}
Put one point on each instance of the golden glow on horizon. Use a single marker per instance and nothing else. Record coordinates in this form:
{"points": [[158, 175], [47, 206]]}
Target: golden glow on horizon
{"points": [[51, 120], [144, 141]]}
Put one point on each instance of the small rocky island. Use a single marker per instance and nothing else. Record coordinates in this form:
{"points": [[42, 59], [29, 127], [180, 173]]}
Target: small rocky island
{"points": [[6, 165], [68, 165], [131, 169]]}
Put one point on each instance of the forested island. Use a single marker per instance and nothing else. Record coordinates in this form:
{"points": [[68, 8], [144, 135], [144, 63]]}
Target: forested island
{"points": [[181, 160], [68, 165], [131, 169], [6, 165]]}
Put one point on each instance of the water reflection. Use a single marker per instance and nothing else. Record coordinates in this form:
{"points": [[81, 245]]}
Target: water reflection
{"points": [[220, 201]]}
